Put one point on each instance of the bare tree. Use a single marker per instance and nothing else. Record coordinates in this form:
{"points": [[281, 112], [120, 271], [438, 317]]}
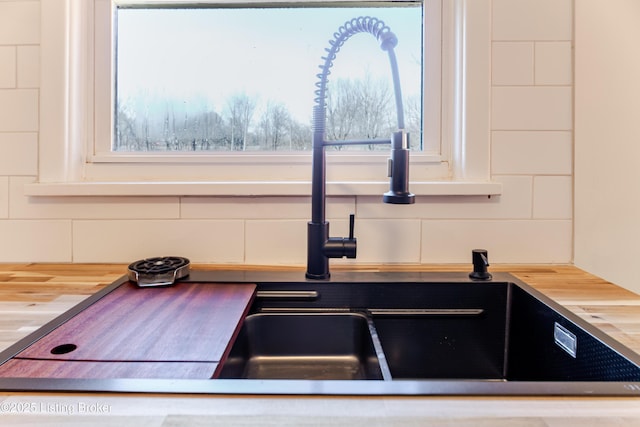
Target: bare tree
{"points": [[125, 138], [375, 116], [413, 119], [240, 108], [300, 136], [212, 131], [342, 109], [356, 109], [275, 125], [359, 109]]}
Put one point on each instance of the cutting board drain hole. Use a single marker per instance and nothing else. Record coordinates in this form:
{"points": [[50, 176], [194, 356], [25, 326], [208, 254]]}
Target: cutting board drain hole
{"points": [[63, 349]]}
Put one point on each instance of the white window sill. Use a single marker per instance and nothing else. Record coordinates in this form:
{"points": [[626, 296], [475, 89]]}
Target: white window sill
{"points": [[249, 188]]}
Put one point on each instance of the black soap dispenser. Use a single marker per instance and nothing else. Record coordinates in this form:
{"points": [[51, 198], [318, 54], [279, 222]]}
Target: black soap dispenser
{"points": [[480, 261]]}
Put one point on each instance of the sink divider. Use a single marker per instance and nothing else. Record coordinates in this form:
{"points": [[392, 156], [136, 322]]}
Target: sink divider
{"points": [[377, 345]]}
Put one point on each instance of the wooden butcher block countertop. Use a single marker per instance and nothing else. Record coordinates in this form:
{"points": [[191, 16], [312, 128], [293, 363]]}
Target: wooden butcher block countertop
{"points": [[33, 294]]}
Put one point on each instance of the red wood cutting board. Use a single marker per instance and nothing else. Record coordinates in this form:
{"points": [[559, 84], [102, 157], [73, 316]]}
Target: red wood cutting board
{"points": [[188, 322], [29, 368]]}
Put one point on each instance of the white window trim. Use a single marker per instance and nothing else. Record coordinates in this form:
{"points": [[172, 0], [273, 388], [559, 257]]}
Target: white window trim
{"points": [[67, 112]]}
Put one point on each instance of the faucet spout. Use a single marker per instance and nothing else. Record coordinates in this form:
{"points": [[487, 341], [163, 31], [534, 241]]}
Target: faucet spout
{"points": [[320, 246], [399, 171]]}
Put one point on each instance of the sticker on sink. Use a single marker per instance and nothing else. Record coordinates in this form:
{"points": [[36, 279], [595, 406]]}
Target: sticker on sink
{"points": [[565, 339]]}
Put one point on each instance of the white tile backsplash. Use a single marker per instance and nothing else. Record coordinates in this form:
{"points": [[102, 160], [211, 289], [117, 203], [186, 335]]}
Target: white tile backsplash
{"points": [[531, 108], [28, 65], [508, 241], [531, 155], [532, 19], [19, 22], [209, 241], [18, 110], [553, 197], [4, 197], [512, 63], [389, 241], [35, 241], [277, 242], [18, 153], [7, 67], [553, 64]]}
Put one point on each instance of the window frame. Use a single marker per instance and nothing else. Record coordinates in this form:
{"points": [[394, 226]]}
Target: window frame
{"points": [[72, 73], [100, 149]]}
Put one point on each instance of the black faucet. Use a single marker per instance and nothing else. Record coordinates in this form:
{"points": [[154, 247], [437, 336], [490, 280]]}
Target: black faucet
{"points": [[321, 247]]}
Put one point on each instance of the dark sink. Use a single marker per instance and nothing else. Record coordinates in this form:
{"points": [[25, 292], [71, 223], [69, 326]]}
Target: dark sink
{"points": [[486, 331], [533, 343], [311, 346], [389, 334]]}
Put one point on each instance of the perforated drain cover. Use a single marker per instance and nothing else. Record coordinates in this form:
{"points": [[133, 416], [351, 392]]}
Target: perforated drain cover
{"points": [[159, 271]]}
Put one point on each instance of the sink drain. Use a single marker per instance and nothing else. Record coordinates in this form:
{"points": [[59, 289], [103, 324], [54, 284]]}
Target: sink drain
{"points": [[159, 271]]}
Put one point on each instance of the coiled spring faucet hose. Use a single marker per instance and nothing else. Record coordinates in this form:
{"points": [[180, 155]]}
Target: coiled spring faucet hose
{"points": [[388, 41]]}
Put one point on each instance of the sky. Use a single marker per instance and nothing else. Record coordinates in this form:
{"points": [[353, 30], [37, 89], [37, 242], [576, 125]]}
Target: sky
{"points": [[203, 56]]}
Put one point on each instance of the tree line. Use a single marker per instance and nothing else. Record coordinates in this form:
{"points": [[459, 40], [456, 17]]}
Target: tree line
{"points": [[356, 109]]}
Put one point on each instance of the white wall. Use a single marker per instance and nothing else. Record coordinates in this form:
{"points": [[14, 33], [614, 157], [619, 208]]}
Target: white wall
{"points": [[531, 122], [607, 138]]}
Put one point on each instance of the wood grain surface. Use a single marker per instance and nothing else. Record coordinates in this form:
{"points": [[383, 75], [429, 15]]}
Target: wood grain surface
{"points": [[32, 368], [186, 323]]}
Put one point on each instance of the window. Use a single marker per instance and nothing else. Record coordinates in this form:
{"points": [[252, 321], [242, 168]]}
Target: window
{"points": [[241, 79], [76, 155]]}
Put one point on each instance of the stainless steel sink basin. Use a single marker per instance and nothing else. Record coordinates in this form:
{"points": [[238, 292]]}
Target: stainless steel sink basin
{"points": [[311, 346]]}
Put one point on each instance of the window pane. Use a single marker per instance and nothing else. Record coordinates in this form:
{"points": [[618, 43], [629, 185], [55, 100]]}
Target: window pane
{"points": [[243, 79]]}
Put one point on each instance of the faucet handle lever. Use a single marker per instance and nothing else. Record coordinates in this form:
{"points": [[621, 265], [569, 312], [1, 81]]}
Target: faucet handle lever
{"points": [[352, 223], [339, 247]]}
